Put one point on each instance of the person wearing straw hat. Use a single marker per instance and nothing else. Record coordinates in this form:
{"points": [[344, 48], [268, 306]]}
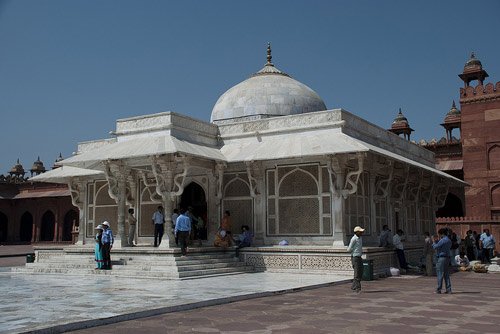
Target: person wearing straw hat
{"points": [[356, 250], [99, 263]]}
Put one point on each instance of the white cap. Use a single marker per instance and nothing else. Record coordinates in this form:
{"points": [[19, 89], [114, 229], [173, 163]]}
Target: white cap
{"points": [[99, 227], [105, 223], [358, 229]]}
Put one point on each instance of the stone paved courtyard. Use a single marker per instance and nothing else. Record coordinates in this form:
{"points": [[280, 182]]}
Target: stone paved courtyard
{"points": [[393, 305]]}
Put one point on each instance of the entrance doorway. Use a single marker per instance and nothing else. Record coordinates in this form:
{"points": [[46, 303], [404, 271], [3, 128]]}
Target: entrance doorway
{"points": [[26, 232], [48, 223], [4, 222], [70, 220], [194, 197]]}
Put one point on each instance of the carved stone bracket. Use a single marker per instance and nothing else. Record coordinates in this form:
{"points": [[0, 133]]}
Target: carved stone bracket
{"points": [[75, 189], [399, 189], [441, 194], [338, 185], [168, 183], [252, 181], [413, 191], [115, 171], [382, 185], [335, 171], [219, 175], [352, 178], [131, 188], [427, 194]]}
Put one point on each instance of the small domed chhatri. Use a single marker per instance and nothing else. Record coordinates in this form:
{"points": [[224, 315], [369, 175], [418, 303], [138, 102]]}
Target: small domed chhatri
{"points": [[267, 93], [37, 168], [400, 125], [17, 170], [473, 70]]}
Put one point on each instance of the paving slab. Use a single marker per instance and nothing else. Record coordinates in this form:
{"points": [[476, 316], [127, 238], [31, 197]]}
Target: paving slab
{"points": [[58, 303], [404, 304]]}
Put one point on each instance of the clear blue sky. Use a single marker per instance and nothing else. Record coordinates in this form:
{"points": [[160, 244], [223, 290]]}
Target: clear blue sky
{"points": [[69, 69]]}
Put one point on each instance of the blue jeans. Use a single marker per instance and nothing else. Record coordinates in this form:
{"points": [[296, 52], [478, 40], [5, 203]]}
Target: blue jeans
{"points": [[443, 272]]}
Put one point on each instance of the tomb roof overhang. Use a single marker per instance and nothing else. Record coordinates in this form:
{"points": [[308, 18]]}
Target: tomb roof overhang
{"points": [[63, 174], [141, 147]]}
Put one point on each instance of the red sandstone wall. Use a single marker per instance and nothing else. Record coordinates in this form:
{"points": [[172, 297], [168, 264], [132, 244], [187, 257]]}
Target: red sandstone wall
{"points": [[480, 134]]}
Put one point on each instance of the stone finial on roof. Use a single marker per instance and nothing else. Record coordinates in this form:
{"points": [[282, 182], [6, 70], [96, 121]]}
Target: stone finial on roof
{"points": [[37, 167], [400, 125], [269, 56]]}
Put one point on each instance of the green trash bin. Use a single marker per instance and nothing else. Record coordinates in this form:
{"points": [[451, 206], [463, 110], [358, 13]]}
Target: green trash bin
{"points": [[367, 270], [30, 258]]}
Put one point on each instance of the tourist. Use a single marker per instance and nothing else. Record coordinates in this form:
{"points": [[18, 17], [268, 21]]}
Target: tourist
{"points": [[244, 239], [222, 239], [356, 250], [385, 239], [428, 254], [454, 247], [158, 221], [469, 245], [477, 253], [182, 230], [463, 262], [132, 221], [99, 263], [226, 223], [397, 240], [487, 245], [107, 243], [442, 245], [174, 218]]}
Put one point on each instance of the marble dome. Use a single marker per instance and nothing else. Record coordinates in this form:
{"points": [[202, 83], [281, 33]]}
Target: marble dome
{"points": [[267, 93]]}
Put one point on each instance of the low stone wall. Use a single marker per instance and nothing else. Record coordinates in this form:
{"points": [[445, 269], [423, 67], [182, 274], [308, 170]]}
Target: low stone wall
{"points": [[322, 259]]}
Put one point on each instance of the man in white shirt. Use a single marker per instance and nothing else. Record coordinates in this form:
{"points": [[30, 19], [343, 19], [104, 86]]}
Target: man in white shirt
{"points": [[158, 221], [397, 240], [356, 250]]}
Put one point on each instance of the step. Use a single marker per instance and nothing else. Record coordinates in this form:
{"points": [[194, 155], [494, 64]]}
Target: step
{"points": [[209, 266], [221, 271]]}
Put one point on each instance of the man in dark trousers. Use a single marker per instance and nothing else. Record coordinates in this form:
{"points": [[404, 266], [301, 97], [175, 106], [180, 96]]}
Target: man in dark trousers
{"points": [[107, 243], [356, 250], [159, 222], [182, 230], [442, 245]]}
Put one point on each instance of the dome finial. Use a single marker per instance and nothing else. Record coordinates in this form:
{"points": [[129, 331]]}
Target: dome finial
{"points": [[269, 57]]}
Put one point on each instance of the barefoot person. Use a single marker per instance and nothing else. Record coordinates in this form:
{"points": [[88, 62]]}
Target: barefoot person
{"points": [[356, 250]]}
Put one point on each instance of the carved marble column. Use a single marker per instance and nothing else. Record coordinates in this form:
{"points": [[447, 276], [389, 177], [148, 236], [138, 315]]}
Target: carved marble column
{"points": [[78, 191], [116, 173], [169, 184], [256, 181]]}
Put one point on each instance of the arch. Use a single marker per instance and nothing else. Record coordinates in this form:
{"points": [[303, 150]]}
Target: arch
{"points": [[4, 224], [194, 196], [237, 187], [452, 207], [70, 220], [494, 157], [297, 183], [47, 230], [102, 196], [495, 195], [26, 231]]}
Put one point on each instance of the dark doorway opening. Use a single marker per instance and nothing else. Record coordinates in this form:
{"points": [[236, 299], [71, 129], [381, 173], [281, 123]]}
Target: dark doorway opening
{"points": [[4, 224], [70, 220], [194, 197], [48, 223], [452, 207], [26, 232]]}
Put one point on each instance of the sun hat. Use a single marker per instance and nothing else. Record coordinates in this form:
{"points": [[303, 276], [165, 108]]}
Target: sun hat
{"points": [[358, 229], [105, 223], [99, 227]]}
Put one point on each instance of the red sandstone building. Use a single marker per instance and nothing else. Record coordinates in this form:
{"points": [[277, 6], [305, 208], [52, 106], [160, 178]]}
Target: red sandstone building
{"points": [[475, 157], [34, 212]]}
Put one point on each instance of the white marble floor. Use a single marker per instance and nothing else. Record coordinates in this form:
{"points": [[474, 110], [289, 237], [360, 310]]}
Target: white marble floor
{"points": [[37, 302]]}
